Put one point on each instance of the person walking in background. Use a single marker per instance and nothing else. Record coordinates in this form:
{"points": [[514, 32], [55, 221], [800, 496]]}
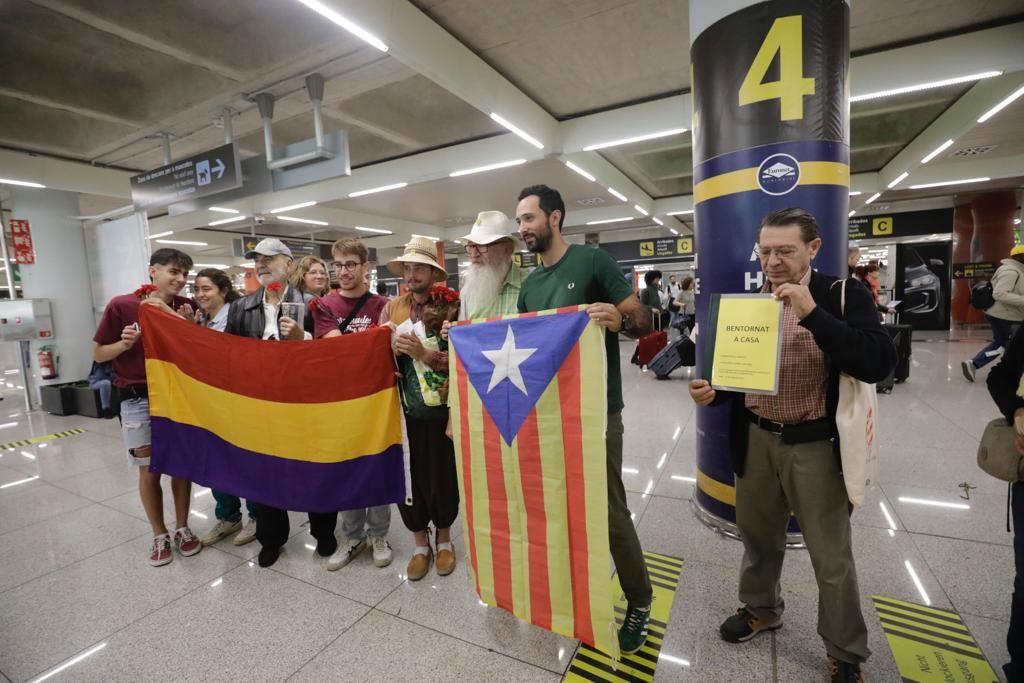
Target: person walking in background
{"points": [[1005, 315], [1006, 385], [685, 303], [101, 376]]}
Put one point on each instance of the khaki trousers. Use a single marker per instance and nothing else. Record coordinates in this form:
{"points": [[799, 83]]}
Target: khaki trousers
{"points": [[805, 479]]}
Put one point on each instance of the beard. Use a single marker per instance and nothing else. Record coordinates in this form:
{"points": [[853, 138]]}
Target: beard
{"points": [[541, 242], [482, 285]]}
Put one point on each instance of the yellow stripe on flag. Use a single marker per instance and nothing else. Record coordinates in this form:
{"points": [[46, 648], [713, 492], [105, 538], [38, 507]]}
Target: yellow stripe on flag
{"points": [[517, 532], [333, 432], [481, 497]]}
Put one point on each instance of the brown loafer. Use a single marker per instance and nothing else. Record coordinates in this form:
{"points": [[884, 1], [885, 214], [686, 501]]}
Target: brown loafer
{"points": [[419, 565], [445, 563]]}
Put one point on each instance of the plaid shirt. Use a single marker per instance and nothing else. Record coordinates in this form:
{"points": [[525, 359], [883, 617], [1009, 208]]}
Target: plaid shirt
{"points": [[802, 374]]}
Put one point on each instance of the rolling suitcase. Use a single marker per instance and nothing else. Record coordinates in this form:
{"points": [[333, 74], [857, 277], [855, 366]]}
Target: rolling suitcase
{"points": [[650, 345], [681, 351]]}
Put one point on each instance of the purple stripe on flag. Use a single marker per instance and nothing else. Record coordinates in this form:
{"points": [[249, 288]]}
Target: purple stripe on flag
{"points": [[198, 455]]}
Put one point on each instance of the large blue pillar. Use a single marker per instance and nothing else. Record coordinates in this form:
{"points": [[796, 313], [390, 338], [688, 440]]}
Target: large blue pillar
{"points": [[770, 130]]}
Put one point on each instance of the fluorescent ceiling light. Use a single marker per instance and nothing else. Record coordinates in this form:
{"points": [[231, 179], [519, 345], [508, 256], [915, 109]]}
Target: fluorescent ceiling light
{"points": [[307, 221], [638, 138], [996, 109], [618, 195], [855, 193], [346, 24], [850, 215], [926, 86], [382, 188], [581, 171], [22, 183], [658, 221], [490, 167], [227, 220], [673, 231], [161, 234], [641, 209], [303, 205], [965, 181], [934, 503], [210, 265], [428, 237], [898, 179], [377, 230], [679, 213], [938, 150], [183, 243], [610, 220], [873, 197], [220, 209], [71, 662], [518, 131]]}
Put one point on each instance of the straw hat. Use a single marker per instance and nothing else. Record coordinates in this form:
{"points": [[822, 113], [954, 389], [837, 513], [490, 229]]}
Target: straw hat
{"points": [[490, 227], [418, 250]]}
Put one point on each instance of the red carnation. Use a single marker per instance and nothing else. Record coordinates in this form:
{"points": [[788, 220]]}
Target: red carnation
{"points": [[274, 287], [313, 306], [144, 291]]}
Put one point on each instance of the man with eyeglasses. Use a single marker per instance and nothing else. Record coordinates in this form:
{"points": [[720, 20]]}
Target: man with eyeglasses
{"points": [[348, 309], [492, 280], [785, 448]]}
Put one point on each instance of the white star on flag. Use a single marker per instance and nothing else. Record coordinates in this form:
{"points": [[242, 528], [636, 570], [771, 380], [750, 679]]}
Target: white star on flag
{"points": [[506, 361]]}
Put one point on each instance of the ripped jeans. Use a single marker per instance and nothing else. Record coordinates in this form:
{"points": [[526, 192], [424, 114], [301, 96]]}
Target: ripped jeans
{"points": [[135, 428]]}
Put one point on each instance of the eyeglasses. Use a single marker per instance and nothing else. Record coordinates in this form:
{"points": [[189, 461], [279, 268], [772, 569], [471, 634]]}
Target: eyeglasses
{"points": [[477, 248], [781, 252], [347, 265]]}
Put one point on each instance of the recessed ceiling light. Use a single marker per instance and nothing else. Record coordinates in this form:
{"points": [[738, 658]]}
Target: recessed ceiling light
{"points": [[873, 197], [303, 205], [22, 183], [638, 138], [489, 167], [518, 131], [641, 210], [658, 221], [850, 215], [161, 234], [937, 151], [377, 230], [210, 265], [345, 23], [220, 209], [227, 220], [898, 179], [610, 220], [580, 171], [854, 193], [618, 195], [679, 213], [307, 221], [428, 237], [673, 231], [373, 190], [183, 243], [926, 86], [965, 181], [999, 107]]}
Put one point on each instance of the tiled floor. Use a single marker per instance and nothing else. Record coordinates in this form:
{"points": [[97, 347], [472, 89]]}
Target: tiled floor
{"points": [[73, 576]]}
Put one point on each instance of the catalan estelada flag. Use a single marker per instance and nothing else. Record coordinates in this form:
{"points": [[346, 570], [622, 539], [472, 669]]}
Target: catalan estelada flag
{"points": [[529, 412], [313, 426]]}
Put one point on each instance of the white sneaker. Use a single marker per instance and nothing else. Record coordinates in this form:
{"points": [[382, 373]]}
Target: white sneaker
{"points": [[381, 551], [344, 554], [222, 529], [969, 370], [247, 534]]}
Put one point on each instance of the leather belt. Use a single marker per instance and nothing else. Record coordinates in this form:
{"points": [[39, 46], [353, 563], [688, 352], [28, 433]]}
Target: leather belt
{"points": [[802, 432], [133, 391]]}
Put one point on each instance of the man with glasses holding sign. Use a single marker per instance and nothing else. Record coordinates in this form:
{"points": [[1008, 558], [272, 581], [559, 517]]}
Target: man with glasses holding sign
{"points": [[353, 308]]}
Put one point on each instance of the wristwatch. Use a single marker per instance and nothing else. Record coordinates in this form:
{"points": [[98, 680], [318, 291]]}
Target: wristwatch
{"points": [[627, 323]]}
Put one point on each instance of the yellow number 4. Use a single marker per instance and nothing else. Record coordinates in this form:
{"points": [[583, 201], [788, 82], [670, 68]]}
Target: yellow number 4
{"points": [[785, 39]]}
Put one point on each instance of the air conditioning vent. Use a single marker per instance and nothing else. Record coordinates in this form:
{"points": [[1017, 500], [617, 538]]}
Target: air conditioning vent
{"points": [[976, 151], [591, 201]]}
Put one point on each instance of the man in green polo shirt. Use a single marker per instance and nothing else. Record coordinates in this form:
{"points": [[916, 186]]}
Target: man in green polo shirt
{"points": [[573, 275]]}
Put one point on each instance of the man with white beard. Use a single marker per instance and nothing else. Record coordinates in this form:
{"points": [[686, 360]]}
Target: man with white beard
{"points": [[492, 280]]}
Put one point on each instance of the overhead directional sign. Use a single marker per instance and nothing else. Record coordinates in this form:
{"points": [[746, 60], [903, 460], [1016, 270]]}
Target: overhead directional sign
{"points": [[966, 271], [651, 251], [217, 170]]}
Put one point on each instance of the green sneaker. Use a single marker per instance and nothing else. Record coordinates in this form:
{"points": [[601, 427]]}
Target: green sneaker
{"points": [[633, 632]]}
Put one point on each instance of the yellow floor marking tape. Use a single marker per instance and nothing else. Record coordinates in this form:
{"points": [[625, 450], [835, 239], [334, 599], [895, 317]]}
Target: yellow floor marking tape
{"points": [[11, 445], [592, 665], [931, 644]]}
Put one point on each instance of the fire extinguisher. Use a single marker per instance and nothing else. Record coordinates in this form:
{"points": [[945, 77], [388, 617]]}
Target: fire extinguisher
{"points": [[47, 363]]}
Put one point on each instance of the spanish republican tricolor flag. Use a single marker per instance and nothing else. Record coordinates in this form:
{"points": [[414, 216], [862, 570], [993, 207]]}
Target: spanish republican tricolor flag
{"points": [[312, 426], [529, 413]]}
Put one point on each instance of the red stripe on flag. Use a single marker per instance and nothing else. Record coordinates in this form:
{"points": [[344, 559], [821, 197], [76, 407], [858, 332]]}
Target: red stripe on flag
{"points": [[462, 379], [575, 493], [532, 477], [501, 551]]}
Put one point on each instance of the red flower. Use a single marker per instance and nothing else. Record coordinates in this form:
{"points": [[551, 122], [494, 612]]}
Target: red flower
{"points": [[274, 287], [144, 291], [313, 306], [442, 294]]}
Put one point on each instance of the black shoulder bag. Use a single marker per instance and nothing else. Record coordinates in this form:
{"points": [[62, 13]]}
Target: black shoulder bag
{"points": [[343, 325]]}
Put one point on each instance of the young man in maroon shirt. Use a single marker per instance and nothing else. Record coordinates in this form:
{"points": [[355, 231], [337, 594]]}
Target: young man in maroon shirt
{"points": [[119, 339]]}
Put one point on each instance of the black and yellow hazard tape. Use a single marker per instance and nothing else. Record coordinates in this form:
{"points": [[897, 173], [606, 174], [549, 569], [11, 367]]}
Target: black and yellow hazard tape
{"points": [[592, 665], [11, 445], [931, 644]]}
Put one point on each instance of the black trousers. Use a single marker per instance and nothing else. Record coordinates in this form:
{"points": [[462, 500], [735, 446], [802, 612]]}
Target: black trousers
{"points": [[272, 526], [1015, 636], [435, 481]]}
